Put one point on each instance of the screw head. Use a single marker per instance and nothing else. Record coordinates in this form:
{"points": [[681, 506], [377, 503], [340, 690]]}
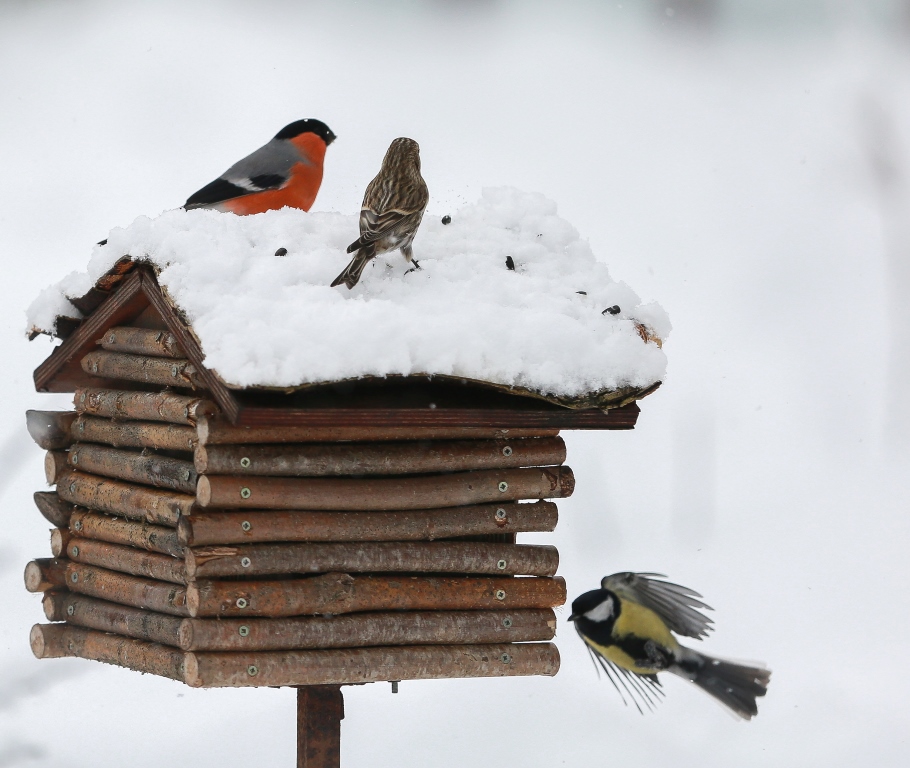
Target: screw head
{"points": [[507, 450], [245, 493], [503, 486], [94, 367], [506, 658], [111, 339], [70, 610], [82, 398], [245, 462], [74, 457], [243, 631], [242, 602], [501, 564], [78, 525], [72, 487], [507, 622], [81, 426], [245, 525], [500, 594], [186, 474], [74, 578], [173, 370], [75, 551], [245, 562], [252, 670], [500, 514]]}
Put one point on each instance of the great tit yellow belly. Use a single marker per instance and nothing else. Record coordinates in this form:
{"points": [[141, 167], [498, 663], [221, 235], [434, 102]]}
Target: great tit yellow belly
{"points": [[628, 625]]}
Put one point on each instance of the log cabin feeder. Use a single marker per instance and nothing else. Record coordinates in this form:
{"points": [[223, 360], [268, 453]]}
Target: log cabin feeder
{"points": [[329, 534]]}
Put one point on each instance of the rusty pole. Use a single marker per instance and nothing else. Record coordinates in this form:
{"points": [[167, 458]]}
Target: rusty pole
{"points": [[320, 710]]}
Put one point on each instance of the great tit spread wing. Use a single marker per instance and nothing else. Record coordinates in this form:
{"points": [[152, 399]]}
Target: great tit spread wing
{"points": [[675, 604], [642, 690]]}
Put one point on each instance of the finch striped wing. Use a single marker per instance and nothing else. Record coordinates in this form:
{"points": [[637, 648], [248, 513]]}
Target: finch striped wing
{"points": [[642, 690], [676, 605], [375, 226]]}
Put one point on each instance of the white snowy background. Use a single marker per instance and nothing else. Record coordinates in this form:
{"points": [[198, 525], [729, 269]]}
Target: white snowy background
{"points": [[748, 169]]}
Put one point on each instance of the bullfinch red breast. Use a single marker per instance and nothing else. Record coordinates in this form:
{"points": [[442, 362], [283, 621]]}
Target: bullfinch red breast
{"points": [[285, 172]]}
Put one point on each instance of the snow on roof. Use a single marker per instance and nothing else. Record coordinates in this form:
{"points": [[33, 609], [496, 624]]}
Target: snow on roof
{"points": [[273, 321]]}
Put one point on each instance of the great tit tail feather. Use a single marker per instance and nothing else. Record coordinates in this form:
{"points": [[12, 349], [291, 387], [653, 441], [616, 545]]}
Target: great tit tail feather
{"points": [[737, 686]]}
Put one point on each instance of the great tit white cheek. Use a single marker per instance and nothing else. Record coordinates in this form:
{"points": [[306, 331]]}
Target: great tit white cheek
{"points": [[601, 612]]}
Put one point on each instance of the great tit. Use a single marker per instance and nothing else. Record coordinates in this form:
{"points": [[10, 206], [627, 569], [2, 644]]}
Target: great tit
{"points": [[627, 626]]}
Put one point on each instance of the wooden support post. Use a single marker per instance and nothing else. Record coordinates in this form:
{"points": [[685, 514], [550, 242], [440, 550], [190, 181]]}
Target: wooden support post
{"points": [[320, 710]]}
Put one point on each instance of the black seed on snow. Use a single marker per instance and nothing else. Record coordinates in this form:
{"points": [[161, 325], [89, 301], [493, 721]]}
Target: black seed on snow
{"points": [[447, 219], [614, 310], [509, 263], [281, 252]]}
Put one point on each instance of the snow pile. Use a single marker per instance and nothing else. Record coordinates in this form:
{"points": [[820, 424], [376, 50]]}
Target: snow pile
{"points": [[267, 320]]}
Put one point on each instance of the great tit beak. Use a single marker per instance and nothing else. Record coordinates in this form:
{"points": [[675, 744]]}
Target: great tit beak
{"points": [[572, 617]]}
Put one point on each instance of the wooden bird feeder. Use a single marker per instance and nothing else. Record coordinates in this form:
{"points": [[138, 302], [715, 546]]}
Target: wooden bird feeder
{"points": [[341, 534]]}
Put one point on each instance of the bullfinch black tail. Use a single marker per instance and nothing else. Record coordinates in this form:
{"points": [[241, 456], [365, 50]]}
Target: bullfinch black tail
{"points": [[736, 686], [352, 272]]}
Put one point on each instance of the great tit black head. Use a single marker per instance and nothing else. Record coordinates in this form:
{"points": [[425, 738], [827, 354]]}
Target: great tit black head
{"points": [[597, 605]]}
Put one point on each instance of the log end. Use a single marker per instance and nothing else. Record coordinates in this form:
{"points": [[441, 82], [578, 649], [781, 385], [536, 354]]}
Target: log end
{"points": [[36, 639], [50, 429], [203, 491], [54, 464], [185, 531], [191, 674], [59, 540], [566, 482], [201, 459], [192, 599], [54, 605], [53, 508]]}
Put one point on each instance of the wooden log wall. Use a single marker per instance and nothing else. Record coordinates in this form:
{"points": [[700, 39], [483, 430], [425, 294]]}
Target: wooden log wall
{"points": [[226, 556]]}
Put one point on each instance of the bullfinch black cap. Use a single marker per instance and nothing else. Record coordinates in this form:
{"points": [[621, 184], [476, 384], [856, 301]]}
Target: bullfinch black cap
{"points": [[307, 126]]}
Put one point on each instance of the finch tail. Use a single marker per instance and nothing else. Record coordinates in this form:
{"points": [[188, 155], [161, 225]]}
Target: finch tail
{"points": [[736, 686], [352, 272]]}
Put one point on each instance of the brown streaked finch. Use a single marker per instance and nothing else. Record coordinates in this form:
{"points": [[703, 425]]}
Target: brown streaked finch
{"points": [[392, 209]]}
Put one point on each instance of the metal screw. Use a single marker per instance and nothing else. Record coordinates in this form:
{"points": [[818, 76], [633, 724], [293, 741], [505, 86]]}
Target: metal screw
{"points": [[94, 367], [186, 474], [245, 493], [242, 602], [72, 487], [503, 486], [75, 551], [245, 562], [111, 339], [186, 412], [500, 594], [243, 631], [82, 398], [252, 670], [506, 658], [75, 457], [78, 525], [74, 578], [245, 525], [81, 426], [501, 564], [244, 462], [507, 450], [500, 514], [173, 370], [507, 622], [70, 610]]}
